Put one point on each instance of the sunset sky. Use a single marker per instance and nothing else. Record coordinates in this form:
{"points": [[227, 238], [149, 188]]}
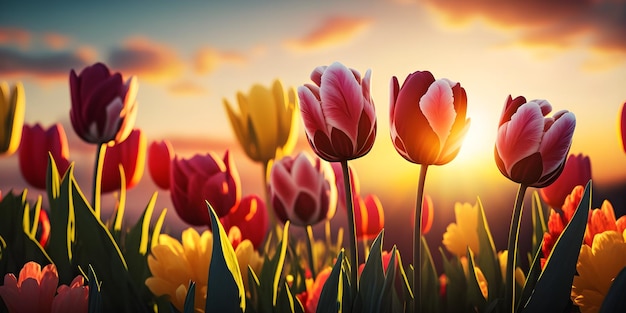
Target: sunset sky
{"points": [[189, 56]]}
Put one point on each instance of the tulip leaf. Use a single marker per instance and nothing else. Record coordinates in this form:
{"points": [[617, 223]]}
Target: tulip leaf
{"points": [[475, 296], [614, 301], [539, 223], [552, 290], [287, 302], [190, 298], [456, 290], [531, 280], [372, 279], [271, 273], [225, 290], [95, 297], [429, 281], [331, 297], [487, 259], [253, 283], [392, 299]]}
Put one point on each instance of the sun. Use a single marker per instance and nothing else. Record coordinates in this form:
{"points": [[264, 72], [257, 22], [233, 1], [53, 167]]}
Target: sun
{"points": [[481, 137]]}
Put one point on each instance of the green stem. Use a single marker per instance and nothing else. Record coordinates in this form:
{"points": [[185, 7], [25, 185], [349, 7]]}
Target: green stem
{"points": [[509, 291], [417, 241], [309, 245], [354, 261], [97, 178]]}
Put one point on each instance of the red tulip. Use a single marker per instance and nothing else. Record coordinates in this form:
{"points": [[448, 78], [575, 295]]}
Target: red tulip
{"points": [[530, 147], [427, 215], [159, 160], [251, 219], [427, 118], [369, 217], [131, 154], [341, 191], [44, 228], [204, 178], [623, 126], [33, 152], [338, 113], [103, 105], [302, 190], [577, 171]]}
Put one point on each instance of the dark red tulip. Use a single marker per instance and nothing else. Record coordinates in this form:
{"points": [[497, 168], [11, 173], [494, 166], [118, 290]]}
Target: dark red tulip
{"points": [[577, 171], [131, 154], [33, 152]]}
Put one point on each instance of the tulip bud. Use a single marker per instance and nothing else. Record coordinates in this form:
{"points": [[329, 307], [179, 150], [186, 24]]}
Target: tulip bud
{"points": [[12, 107], [530, 147], [33, 152], [427, 118], [302, 190], [103, 105], [204, 178], [159, 160], [338, 113], [131, 154]]}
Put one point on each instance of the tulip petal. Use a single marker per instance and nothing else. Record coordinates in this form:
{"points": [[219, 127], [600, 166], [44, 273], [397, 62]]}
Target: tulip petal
{"points": [[521, 136], [341, 99], [528, 170], [556, 142], [437, 105], [312, 114]]}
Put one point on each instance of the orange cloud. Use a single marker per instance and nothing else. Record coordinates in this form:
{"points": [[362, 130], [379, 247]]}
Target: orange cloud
{"points": [[207, 59], [146, 59], [599, 25], [187, 88], [56, 41], [333, 31], [15, 36]]}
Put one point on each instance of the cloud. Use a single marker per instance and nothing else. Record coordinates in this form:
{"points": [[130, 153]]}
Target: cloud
{"points": [[146, 59], [15, 36], [207, 59], [331, 32], [56, 41], [187, 88], [56, 65], [561, 24]]}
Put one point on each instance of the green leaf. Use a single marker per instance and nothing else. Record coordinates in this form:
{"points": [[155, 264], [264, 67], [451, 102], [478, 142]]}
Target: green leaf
{"points": [[331, 297], [287, 302], [429, 281], [531, 279], [225, 290], [456, 286], [372, 279], [392, 299], [539, 223], [190, 298], [95, 297], [271, 273], [614, 301], [554, 285], [475, 297], [487, 259]]}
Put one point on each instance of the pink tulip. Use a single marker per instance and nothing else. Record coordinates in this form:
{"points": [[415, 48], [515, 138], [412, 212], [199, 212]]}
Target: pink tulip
{"points": [[427, 118], [204, 178], [338, 113], [33, 291], [341, 191], [623, 126], [131, 154], [33, 152], [530, 147], [159, 160], [103, 105], [72, 298], [251, 219], [369, 217], [577, 171], [302, 190]]}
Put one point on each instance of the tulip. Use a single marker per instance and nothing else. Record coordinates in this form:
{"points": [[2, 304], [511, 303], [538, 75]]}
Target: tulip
{"points": [[338, 113], [204, 177], [251, 219], [33, 152], [12, 106], [131, 154], [43, 230], [623, 126], [266, 122], [370, 218], [159, 160], [530, 147], [427, 118], [103, 105], [302, 190], [577, 171]]}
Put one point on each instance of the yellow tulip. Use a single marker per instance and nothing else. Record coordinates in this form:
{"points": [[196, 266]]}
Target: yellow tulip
{"points": [[11, 117], [266, 124]]}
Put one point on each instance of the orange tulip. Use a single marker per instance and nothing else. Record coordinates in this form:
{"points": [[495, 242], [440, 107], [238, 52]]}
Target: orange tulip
{"points": [[369, 217], [131, 154], [33, 152]]}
